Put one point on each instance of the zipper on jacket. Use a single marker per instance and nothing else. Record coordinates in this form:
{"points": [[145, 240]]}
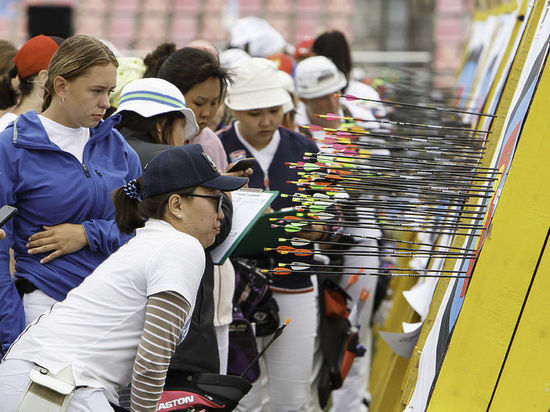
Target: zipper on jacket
{"points": [[86, 171], [99, 173]]}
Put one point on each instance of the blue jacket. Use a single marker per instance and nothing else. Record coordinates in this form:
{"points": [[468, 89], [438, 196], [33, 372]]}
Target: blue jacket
{"points": [[291, 149], [49, 187]]}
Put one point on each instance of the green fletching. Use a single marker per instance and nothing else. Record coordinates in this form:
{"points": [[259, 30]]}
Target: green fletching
{"points": [[325, 159], [311, 166], [292, 229]]}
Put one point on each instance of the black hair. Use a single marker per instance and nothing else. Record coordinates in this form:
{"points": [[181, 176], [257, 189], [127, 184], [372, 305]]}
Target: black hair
{"points": [[185, 67], [154, 60], [8, 95], [131, 214], [7, 53], [147, 125], [333, 45]]}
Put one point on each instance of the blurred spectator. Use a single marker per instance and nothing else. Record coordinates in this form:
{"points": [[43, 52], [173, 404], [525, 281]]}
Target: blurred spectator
{"points": [[256, 36], [7, 51], [204, 45], [230, 57], [303, 49], [283, 62], [335, 46], [128, 70], [317, 79], [30, 68], [289, 109]]}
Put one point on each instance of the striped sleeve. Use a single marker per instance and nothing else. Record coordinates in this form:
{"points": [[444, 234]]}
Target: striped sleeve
{"points": [[164, 320]]}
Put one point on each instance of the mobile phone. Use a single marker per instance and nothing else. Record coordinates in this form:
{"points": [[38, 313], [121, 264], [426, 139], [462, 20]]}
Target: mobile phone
{"points": [[6, 213], [242, 164]]}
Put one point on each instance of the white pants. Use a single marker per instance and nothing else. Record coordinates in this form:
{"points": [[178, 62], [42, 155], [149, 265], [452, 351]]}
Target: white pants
{"points": [[350, 396], [14, 379], [222, 333], [286, 370], [35, 304]]}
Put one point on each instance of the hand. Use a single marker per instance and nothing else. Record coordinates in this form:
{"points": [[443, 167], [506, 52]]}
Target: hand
{"points": [[313, 236], [2, 234], [240, 173], [62, 239]]}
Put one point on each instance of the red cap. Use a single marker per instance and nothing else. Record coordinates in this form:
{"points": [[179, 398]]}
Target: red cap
{"points": [[283, 62], [34, 55], [303, 48]]}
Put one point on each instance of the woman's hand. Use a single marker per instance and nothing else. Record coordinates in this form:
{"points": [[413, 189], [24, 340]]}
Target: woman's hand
{"points": [[2, 234], [62, 239], [239, 173], [315, 234]]}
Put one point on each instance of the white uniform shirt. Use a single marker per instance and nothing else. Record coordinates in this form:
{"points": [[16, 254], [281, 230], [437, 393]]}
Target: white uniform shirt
{"points": [[265, 155], [71, 140], [97, 328], [6, 119]]}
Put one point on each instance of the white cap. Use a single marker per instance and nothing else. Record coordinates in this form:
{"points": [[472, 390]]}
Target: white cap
{"points": [[256, 84], [318, 76], [151, 96], [230, 57], [262, 39], [288, 84]]}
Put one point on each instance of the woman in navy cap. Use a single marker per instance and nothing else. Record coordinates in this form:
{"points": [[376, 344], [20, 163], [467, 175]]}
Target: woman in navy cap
{"points": [[122, 324]]}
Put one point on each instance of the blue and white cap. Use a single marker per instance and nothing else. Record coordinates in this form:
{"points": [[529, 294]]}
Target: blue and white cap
{"points": [[151, 96]]}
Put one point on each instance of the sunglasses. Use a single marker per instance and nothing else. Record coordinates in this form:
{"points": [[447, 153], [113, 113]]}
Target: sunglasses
{"points": [[218, 198]]}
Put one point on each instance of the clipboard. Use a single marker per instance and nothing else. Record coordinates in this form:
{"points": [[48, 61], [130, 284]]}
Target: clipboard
{"points": [[248, 206], [262, 235]]}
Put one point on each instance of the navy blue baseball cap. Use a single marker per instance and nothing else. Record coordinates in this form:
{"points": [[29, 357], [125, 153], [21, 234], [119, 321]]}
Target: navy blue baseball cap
{"points": [[181, 167]]}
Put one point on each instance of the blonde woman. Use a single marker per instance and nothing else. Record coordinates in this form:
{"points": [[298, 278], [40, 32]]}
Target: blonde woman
{"points": [[59, 168]]}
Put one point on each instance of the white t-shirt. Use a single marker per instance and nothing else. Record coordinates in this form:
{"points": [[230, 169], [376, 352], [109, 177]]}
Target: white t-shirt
{"points": [[6, 119], [68, 139], [265, 155], [97, 328], [363, 109]]}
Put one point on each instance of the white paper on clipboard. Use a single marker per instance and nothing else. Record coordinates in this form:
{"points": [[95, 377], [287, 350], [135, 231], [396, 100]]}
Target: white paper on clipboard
{"points": [[248, 205]]}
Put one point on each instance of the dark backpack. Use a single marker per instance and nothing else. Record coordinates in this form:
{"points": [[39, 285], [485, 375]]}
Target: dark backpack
{"points": [[253, 297], [339, 340]]}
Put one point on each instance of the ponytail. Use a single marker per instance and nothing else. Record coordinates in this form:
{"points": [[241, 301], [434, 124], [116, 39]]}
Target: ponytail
{"points": [[128, 216], [156, 58], [131, 212]]}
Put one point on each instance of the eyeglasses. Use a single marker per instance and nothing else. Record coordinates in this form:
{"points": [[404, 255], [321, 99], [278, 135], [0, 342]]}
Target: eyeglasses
{"points": [[219, 198]]}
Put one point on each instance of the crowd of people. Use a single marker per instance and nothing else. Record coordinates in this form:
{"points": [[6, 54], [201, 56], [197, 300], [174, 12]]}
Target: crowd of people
{"points": [[120, 169]]}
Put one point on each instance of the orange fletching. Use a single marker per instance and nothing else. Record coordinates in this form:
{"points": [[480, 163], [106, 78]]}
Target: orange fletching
{"points": [[282, 271], [283, 250]]}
